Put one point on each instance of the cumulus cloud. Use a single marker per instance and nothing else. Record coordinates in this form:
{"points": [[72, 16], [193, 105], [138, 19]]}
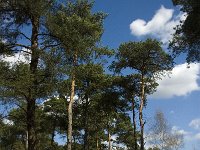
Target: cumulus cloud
{"points": [[182, 81], [176, 129], [188, 136], [160, 26], [195, 124]]}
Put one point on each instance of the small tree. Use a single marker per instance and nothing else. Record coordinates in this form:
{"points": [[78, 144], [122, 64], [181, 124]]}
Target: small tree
{"points": [[162, 136]]}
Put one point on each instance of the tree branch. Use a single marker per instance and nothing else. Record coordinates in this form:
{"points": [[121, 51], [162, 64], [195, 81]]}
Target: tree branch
{"points": [[25, 36]]}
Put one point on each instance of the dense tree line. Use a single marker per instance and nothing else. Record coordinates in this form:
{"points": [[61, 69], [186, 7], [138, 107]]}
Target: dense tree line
{"points": [[63, 89]]}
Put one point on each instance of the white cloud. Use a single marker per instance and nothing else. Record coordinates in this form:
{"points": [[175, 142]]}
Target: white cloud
{"points": [[76, 98], [160, 26], [114, 143], [195, 124], [7, 121], [192, 137], [197, 136], [182, 81], [188, 136], [17, 57], [176, 129]]}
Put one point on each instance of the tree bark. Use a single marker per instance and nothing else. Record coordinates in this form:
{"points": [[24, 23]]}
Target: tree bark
{"points": [[109, 141], [134, 125], [26, 147], [141, 113], [53, 133], [31, 99], [86, 144], [97, 142], [31, 124], [70, 113]]}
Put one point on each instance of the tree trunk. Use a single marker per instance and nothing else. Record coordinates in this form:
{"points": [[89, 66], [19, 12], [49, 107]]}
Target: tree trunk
{"points": [[86, 144], [134, 125], [70, 114], [33, 90], [31, 124], [26, 140], [74, 146], [141, 114], [97, 142], [109, 141], [69, 135], [53, 133]]}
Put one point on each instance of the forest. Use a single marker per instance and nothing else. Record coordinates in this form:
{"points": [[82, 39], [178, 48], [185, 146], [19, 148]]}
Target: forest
{"points": [[66, 86]]}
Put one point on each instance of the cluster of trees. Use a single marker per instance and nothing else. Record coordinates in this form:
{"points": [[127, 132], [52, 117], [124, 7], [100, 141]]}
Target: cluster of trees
{"points": [[62, 88]]}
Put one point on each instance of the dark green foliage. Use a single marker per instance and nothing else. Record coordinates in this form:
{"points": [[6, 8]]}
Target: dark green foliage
{"points": [[77, 29], [153, 148], [187, 36], [62, 42], [147, 61], [143, 57], [124, 130], [16, 14]]}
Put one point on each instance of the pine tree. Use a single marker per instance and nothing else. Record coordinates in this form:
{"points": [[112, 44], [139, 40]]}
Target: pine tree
{"points": [[78, 30], [26, 81], [148, 60], [186, 38]]}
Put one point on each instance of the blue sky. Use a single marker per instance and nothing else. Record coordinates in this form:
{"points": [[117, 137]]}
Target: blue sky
{"points": [[177, 97]]}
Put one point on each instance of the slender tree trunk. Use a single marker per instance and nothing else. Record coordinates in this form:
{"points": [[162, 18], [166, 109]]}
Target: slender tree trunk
{"points": [[52, 137], [26, 140], [74, 146], [134, 124], [109, 141], [141, 114], [31, 124], [97, 142], [33, 90], [86, 144], [53, 133], [70, 114]]}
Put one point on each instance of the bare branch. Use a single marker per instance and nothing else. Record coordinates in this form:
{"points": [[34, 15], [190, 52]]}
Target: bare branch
{"points": [[48, 46], [25, 36]]}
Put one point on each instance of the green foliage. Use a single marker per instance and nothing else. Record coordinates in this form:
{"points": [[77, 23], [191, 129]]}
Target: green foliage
{"points": [[64, 45], [146, 59], [143, 57], [76, 28], [187, 36], [124, 130], [14, 14]]}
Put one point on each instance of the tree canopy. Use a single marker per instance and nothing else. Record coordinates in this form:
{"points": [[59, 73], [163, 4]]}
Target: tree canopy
{"points": [[187, 34]]}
